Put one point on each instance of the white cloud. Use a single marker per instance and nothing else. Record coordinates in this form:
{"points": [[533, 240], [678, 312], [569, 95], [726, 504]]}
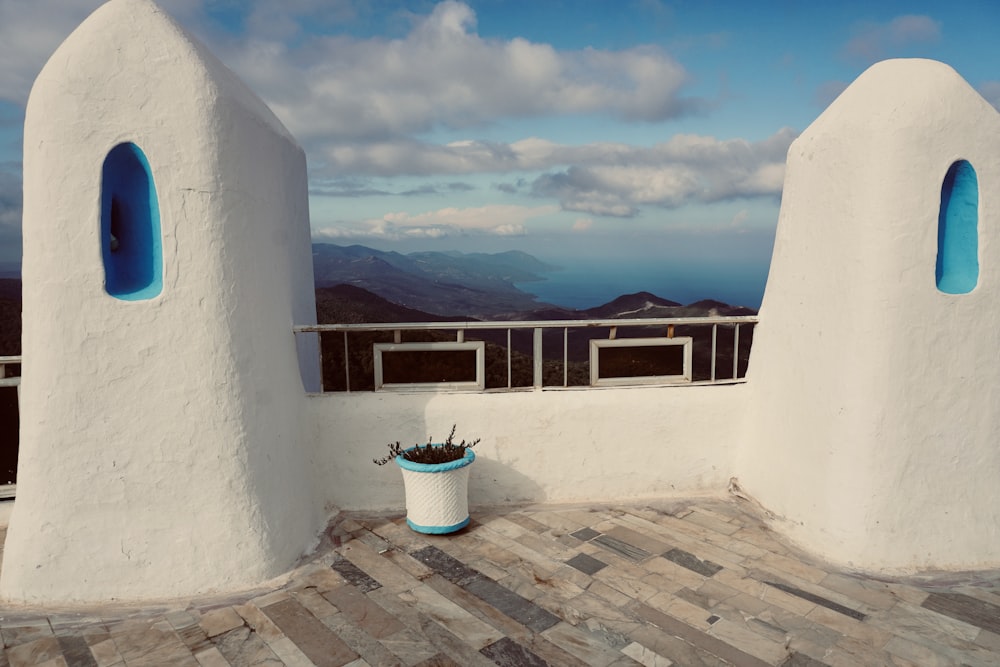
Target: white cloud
{"points": [[684, 170], [496, 220], [442, 73], [872, 40], [30, 32], [582, 224]]}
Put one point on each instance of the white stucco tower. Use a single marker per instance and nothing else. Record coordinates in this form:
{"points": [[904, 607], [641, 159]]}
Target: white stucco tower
{"points": [[166, 257], [874, 429]]}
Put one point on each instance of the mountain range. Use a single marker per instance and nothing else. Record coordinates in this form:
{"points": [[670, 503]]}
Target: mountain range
{"points": [[478, 285], [360, 284]]}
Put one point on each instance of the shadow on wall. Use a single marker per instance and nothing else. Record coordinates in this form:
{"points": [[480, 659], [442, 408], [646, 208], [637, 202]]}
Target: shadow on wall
{"points": [[494, 483]]}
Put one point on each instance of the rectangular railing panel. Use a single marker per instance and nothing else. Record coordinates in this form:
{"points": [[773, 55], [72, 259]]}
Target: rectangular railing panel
{"points": [[716, 340]]}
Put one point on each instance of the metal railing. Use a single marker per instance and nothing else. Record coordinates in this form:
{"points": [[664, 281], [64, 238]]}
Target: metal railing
{"points": [[9, 490], [738, 349]]}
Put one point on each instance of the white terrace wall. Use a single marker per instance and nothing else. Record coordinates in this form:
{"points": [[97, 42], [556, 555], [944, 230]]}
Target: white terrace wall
{"points": [[161, 448], [874, 423], [537, 446]]}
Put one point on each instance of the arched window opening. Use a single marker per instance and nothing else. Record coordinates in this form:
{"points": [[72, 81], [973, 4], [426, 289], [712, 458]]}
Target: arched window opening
{"points": [[131, 245], [957, 270]]}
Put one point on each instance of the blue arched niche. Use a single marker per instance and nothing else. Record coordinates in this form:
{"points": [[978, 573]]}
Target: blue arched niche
{"points": [[958, 230], [131, 245]]}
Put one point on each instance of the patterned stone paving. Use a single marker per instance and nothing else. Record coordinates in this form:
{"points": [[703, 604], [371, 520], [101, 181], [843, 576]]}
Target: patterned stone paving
{"points": [[683, 583]]}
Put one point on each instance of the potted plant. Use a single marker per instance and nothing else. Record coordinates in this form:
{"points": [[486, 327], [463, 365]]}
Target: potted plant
{"points": [[436, 482]]}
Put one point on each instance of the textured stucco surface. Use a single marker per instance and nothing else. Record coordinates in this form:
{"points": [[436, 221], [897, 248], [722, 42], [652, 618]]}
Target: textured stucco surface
{"points": [[549, 446], [161, 448], [873, 424]]}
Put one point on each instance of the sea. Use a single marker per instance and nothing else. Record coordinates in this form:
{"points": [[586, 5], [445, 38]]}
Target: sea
{"points": [[592, 283]]}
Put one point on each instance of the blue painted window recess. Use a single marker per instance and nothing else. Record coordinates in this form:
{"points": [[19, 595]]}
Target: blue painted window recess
{"points": [[958, 231], [131, 244]]}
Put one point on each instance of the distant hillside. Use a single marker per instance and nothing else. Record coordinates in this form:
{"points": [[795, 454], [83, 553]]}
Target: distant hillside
{"points": [[479, 285], [346, 304]]}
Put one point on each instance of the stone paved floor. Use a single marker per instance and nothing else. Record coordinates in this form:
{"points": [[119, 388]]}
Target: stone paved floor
{"points": [[683, 583]]}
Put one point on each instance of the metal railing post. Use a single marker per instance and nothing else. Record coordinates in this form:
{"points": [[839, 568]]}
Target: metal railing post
{"points": [[537, 358]]}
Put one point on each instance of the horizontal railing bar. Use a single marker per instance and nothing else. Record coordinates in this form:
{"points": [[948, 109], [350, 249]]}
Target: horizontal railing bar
{"points": [[523, 324], [10, 360]]}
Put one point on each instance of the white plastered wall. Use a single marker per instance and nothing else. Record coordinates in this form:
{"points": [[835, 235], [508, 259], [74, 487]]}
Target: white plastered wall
{"points": [[873, 427], [560, 446], [161, 443]]}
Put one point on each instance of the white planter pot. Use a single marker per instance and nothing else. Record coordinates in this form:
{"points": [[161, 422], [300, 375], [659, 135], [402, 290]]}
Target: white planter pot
{"points": [[437, 494]]}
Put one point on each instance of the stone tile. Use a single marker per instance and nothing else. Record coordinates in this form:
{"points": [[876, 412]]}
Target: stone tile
{"points": [[792, 566], [581, 645], [526, 522], [447, 566], [816, 599], [872, 593], [33, 652], [58, 661], [613, 544], [408, 564], [668, 576], [269, 599], [410, 647], [917, 653], [741, 637], [681, 609], [361, 609], [796, 659], [705, 568], [366, 646], [25, 633], [873, 635], [315, 603], [508, 653], [438, 660], [605, 592], [259, 621], [241, 647], [521, 610], [136, 643], [289, 654], [76, 651], [479, 608], [451, 645], [452, 617], [711, 523], [627, 584], [194, 637], [585, 534], [676, 649], [218, 621], [965, 608], [646, 657], [106, 653], [639, 539], [700, 639], [354, 575], [919, 624], [765, 593], [320, 575], [211, 657], [556, 522], [313, 638]]}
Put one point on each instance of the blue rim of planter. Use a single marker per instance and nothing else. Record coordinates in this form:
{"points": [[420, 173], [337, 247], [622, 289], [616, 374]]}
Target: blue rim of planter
{"points": [[469, 457], [438, 530]]}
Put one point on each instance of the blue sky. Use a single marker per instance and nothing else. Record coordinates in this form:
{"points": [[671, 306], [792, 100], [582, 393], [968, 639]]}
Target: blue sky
{"points": [[575, 130]]}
